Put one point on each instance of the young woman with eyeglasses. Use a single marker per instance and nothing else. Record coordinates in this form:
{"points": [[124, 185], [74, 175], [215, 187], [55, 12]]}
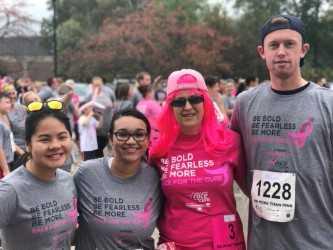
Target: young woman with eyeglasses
{"points": [[198, 159], [38, 200], [119, 197]]}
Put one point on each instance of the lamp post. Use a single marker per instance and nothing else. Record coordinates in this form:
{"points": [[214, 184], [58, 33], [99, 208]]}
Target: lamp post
{"points": [[55, 50]]}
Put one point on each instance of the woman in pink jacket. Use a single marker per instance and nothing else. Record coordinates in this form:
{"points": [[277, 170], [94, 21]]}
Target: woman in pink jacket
{"points": [[150, 108], [198, 160]]}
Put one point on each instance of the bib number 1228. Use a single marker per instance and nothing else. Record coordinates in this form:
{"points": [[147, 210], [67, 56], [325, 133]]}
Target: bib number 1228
{"points": [[274, 190]]}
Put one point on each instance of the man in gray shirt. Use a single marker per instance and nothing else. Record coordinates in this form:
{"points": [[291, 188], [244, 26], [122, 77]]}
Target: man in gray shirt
{"points": [[50, 89], [286, 127]]}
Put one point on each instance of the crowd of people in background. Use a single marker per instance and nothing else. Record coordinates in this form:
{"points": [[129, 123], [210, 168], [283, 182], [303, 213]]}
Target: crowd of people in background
{"points": [[91, 114]]}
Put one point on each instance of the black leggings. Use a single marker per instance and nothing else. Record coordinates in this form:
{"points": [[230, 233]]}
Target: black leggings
{"points": [[102, 141], [88, 155]]}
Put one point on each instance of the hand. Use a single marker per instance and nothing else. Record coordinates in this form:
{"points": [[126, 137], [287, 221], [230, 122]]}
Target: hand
{"points": [[157, 78], [91, 113], [20, 151], [70, 94], [5, 171]]}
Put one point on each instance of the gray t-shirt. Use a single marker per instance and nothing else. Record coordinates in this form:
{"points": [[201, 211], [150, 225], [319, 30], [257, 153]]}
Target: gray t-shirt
{"points": [[37, 215], [47, 92], [116, 213], [106, 97], [122, 105], [290, 133], [17, 120], [6, 142], [136, 97], [229, 101]]}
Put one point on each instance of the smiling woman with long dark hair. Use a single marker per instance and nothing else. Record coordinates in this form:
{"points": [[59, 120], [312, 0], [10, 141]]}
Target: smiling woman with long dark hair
{"points": [[119, 197], [38, 200]]}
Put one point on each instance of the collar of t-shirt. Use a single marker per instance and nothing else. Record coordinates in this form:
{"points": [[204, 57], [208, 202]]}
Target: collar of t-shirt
{"points": [[291, 92]]}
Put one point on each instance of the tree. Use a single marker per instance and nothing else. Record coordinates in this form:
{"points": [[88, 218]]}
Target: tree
{"points": [[13, 20], [150, 39], [256, 12], [78, 20]]}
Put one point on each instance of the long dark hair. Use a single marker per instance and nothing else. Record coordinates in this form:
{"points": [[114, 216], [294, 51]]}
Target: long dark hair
{"points": [[122, 91]]}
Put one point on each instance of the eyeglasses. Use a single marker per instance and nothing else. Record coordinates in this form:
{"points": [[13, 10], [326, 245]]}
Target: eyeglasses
{"points": [[138, 135], [53, 105], [181, 101]]}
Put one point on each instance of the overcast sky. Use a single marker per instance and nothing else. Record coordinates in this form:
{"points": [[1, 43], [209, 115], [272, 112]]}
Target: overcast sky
{"points": [[37, 9]]}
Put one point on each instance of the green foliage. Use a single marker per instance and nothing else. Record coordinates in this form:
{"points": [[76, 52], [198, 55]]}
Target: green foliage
{"points": [[189, 11], [125, 36], [70, 33], [150, 40]]}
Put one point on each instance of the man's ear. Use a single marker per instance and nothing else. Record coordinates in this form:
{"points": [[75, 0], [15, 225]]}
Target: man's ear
{"points": [[305, 49], [260, 51]]}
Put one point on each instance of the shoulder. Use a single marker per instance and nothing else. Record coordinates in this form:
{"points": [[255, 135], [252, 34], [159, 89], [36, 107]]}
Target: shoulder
{"points": [[21, 108], [8, 202], [7, 189], [18, 108], [63, 175], [89, 168], [149, 171], [248, 94], [106, 88], [2, 126], [17, 179], [317, 90]]}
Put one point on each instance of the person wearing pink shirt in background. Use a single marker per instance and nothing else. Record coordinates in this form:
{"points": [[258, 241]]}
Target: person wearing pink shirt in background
{"points": [[150, 108], [198, 159]]}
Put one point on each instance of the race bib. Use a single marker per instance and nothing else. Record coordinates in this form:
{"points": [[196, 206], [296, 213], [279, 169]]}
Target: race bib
{"points": [[228, 233], [273, 195]]}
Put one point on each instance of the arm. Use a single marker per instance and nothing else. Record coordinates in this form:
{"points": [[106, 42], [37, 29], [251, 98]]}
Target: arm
{"points": [[241, 171], [19, 150], [3, 163], [99, 121], [85, 119], [67, 97], [8, 200], [220, 104]]}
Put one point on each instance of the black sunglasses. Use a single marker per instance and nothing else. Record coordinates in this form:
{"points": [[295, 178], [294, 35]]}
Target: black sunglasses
{"points": [[181, 101]]}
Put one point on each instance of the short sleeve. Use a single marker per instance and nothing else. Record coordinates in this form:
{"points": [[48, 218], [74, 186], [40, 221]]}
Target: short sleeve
{"points": [[2, 134], [8, 199], [77, 177]]}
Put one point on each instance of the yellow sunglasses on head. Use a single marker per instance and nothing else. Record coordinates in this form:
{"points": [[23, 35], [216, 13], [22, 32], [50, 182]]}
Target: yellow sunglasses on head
{"points": [[52, 105]]}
